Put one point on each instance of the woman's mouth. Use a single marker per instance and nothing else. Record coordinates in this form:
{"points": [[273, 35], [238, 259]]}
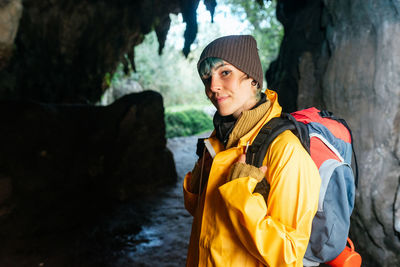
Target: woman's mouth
{"points": [[221, 99]]}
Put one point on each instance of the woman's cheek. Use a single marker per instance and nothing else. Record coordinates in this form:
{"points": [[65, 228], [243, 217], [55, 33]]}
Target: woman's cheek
{"points": [[208, 93]]}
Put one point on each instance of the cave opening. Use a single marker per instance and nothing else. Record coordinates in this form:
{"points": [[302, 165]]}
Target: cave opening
{"points": [[68, 161], [77, 177], [175, 76], [165, 237]]}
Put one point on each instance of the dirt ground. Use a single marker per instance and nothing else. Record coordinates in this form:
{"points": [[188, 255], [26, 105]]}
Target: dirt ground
{"points": [[152, 231], [149, 231], [163, 241]]}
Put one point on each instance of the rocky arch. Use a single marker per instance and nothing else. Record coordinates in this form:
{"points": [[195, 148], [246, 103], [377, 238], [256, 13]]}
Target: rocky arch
{"points": [[64, 48], [341, 55]]}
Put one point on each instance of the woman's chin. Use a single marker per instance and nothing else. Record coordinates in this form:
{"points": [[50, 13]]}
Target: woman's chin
{"points": [[224, 112]]}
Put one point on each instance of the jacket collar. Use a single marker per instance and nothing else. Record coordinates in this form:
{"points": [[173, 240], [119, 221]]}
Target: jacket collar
{"points": [[274, 111]]}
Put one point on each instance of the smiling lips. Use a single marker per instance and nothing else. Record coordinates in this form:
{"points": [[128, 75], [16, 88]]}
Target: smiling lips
{"points": [[221, 98]]}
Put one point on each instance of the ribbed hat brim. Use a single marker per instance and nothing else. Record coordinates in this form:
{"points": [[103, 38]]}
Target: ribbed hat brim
{"points": [[239, 50]]}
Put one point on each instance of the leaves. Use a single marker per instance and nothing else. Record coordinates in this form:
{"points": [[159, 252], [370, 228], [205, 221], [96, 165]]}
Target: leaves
{"points": [[187, 122], [267, 30], [175, 76], [170, 73]]}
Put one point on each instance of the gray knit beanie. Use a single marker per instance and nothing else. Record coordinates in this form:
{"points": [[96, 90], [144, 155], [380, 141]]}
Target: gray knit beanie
{"points": [[240, 51]]}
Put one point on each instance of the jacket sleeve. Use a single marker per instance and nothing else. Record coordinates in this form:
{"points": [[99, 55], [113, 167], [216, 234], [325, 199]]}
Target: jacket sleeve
{"points": [[190, 198], [277, 235]]}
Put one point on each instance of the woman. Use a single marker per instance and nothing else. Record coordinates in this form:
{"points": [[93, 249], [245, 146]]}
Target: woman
{"points": [[232, 224]]}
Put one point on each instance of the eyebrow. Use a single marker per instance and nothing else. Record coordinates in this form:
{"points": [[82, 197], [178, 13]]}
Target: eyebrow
{"points": [[206, 76], [221, 65]]}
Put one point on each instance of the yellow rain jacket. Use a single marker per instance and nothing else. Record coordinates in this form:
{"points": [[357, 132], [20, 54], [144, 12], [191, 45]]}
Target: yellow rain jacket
{"points": [[232, 226]]}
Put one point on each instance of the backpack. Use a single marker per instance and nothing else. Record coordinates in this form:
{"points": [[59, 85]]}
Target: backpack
{"points": [[329, 142]]}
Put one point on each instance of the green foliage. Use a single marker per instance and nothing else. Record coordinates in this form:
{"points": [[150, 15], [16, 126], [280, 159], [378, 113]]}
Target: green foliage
{"points": [[187, 122], [170, 73], [266, 29], [107, 79], [176, 77]]}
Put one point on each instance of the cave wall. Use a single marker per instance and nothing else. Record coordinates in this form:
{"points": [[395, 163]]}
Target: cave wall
{"points": [[10, 14], [336, 54], [343, 55], [65, 163], [64, 48], [62, 159]]}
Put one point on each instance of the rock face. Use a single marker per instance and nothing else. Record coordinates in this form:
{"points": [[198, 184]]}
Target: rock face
{"points": [[60, 163], [10, 14], [64, 48], [57, 160], [343, 56]]}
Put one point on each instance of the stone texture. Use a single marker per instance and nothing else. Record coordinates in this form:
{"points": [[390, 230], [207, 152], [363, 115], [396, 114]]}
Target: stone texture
{"points": [[10, 14], [62, 164], [302, 58], [64, 48], [57, 160], [343, 55]]}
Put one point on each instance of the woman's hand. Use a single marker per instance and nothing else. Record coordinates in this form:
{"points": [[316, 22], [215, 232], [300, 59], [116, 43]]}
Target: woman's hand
{"points": [[241, 169]]}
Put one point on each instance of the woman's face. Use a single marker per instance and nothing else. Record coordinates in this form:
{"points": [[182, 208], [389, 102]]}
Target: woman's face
{"points": [[229, 89]]}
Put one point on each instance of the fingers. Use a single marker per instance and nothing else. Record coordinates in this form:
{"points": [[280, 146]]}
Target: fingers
{"points": [[242, 159], [263, 169]]}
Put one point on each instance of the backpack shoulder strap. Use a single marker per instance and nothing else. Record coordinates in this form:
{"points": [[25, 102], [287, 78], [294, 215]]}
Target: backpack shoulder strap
{"points": [[256, 152], [301, 131]]}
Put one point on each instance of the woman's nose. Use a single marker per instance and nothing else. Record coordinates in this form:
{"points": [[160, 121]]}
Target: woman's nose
{"points": [[215, 84]]}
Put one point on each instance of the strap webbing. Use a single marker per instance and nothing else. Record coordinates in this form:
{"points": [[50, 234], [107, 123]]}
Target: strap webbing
{"points": [[256, 153]]}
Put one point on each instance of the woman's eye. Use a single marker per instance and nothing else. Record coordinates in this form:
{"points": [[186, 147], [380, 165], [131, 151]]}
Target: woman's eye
{"points": [[225, 72]]}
